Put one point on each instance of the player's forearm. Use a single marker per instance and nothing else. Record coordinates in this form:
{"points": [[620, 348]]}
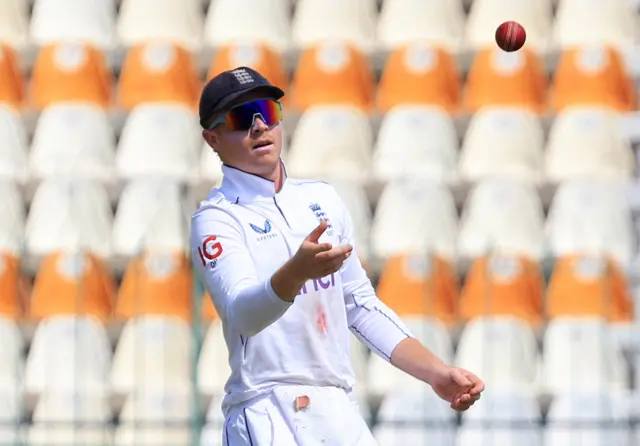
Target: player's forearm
{"points": [[415, 359], [287, 282]]}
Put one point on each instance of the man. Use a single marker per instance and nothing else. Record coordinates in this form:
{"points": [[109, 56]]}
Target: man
{"points": [[277, 257]]}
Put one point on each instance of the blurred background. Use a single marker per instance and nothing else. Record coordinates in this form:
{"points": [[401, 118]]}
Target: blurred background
{"points": [[495, 197]]}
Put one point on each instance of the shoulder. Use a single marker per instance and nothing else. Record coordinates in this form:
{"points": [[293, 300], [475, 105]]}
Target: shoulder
{"points": [[321, 188], [215, 211]]}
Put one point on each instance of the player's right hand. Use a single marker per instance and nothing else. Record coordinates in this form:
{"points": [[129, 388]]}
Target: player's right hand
{"points": [[315, 260]]}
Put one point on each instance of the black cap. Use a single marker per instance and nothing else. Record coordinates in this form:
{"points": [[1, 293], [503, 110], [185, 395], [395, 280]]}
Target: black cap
{"points": [[226, 87]]}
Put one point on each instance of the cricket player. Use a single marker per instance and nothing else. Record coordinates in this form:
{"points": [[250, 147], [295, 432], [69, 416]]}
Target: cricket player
{"points": [[277, 256]]}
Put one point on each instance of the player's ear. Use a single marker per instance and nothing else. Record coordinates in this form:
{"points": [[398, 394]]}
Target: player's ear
{"points": [[211, 137]]}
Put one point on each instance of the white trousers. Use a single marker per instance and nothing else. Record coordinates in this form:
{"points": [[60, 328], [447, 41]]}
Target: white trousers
{"points": [[330, 418]]}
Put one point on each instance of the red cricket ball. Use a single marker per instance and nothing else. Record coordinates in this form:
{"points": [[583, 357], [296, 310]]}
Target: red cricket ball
{"points": [[510, 36]]}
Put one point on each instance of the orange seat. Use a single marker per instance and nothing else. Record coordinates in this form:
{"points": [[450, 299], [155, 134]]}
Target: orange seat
{"points": [[12, 288], [497, 78], [589, 286], [419, 75], [158, 72], [12, 81], [70, 72], [593, 77], [419, 286], [72, 283], [503, 285], [209, 312], [332, 74], [156, 284]]}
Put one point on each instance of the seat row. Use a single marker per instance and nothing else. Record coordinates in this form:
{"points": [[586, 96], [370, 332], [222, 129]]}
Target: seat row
{"points": [[356, 21], [327, 73]]}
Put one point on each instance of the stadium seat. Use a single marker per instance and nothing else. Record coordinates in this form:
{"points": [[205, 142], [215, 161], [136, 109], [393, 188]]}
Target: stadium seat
{"points": [[502, 407], [143, 221], [67, 214], [12, 81], [360, 356], [420, 285], [415, 216], [153, 355], [176, 21], [592, 76], [332, 74], [13, 146], [260, 57], [580, 355], [503, 285], [419, 74], [158, 72], [11, 364], [502, 142], [213, 364], [504, 216], [402, 22], [156, 419], [473, 436], [498, 78], [612, 23], [356, 201], [13, 288], [346, 155], [65, 72], [486, 15], [232, 21], [591, 217], [210, 166], [85, 21], [157, 284], [503, 350], [383, 379], [600, 284], [14, 24], [11, 411], [68, 354], [12, 221], [588, 143], [73, 140], [351, 22], [73, 283], [68, 419], [159, 140], [589, 419]]}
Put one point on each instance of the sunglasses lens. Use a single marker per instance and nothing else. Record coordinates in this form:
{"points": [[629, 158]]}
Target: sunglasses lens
{"points": [[243, 116]]}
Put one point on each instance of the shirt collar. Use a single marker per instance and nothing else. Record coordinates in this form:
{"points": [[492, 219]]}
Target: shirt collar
{"points": [[238, 185]]}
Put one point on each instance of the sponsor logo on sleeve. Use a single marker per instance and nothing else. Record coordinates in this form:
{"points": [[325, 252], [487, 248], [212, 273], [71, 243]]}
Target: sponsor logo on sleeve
{"points": [[210, 250]]}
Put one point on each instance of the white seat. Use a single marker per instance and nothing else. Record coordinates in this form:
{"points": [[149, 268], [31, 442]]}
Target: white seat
{"points": [[384, 379], [153, 355], [346, 154], [11, 410], [416, 141], [88, 21], [591, 217], [472, 436], [403, 22], [68, 419], [14, 19], [159, 140], [12, 222], [213, 363], [582, 23], [580, 354], [68, 354], [486, 15], [588, 143], [357, 203], [13, 145], [502, 142], [588, 418], [352, 22], [73, 140], [211, 436], [502, 215], [504, 408], [484, 340], [415, 216], [232, 21], [210, 165], [68, 214], [406, 435], [11, 353], [179, 21], [157, 418], [151, 215]]}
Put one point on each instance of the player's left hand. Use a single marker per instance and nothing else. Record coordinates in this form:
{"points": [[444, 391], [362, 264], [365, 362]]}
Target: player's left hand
{"points": [[458, 386]]}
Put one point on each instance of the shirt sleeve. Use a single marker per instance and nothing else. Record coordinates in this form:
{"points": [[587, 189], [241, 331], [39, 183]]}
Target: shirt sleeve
{"points": [[373, 322], [226, 268]]}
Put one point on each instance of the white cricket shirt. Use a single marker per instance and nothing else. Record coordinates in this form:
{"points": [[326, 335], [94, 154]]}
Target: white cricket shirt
{"points": [[240, 236]]}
